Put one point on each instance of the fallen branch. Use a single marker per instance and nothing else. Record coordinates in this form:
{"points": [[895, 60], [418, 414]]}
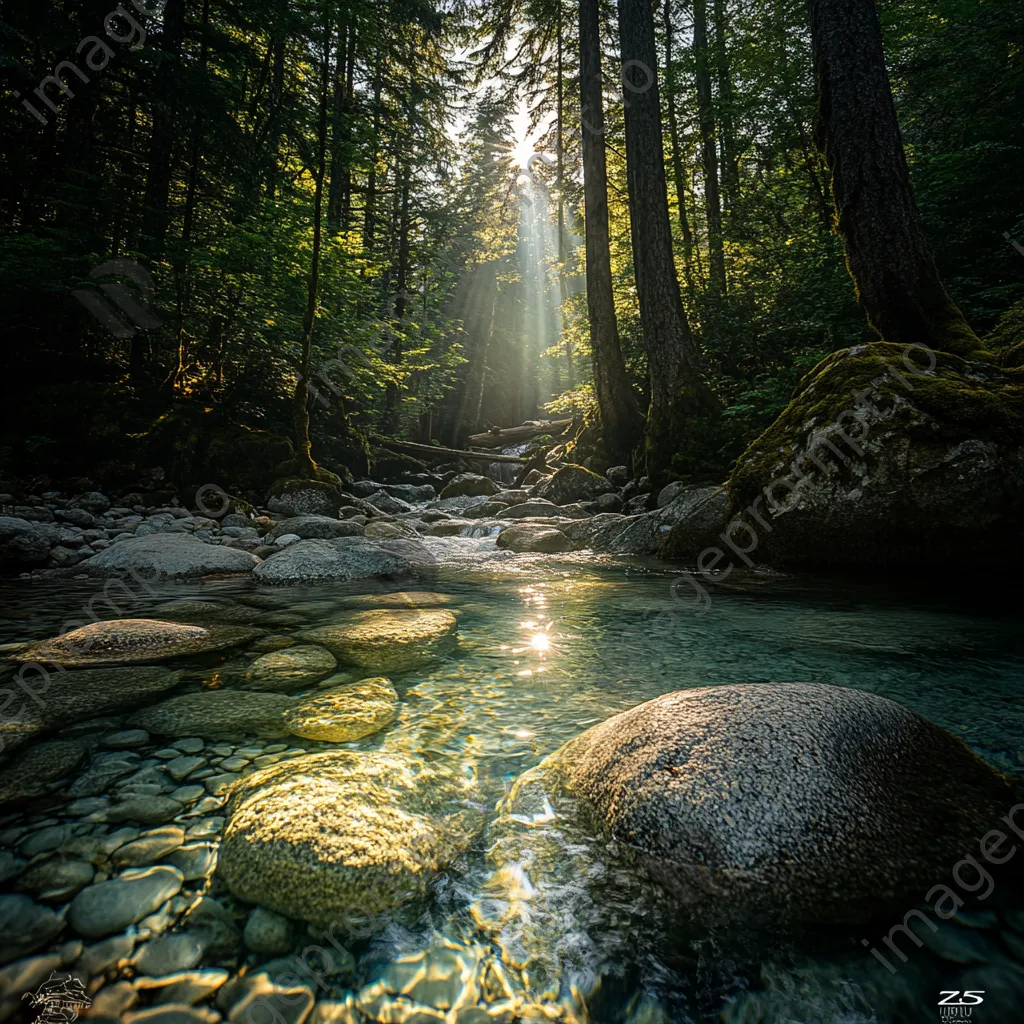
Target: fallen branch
{"points": [[434, 449], [509, 435]]}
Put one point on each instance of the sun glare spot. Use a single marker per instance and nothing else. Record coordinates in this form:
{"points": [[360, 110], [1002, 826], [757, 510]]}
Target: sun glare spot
{"points": [[540, 642]]}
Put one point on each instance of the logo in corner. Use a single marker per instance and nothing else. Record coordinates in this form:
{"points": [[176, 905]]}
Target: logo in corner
{"points": [[60, 1000], [956, 1005]]}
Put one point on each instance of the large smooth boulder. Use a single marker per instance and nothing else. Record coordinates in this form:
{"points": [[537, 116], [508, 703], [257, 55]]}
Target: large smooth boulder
{"points": [[887, 457], [315, 561], [572, 484], [294, 668], [341, 836], [345, 712], [124, 641], [470, 485], [807, 800], [218, 715], [388, 504], [37, 768], [169, 555], [389, 640], [699, 513], [315, 528]]}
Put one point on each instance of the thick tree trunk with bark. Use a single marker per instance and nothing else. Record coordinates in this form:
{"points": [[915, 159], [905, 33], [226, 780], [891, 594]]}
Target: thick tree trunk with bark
{"points": [[680, 400], [898, 285], [620, 418], [708, 147], [563, 285]]}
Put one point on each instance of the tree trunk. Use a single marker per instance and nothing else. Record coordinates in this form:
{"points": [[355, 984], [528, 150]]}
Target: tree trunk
{"points": [[726, 113], [680, 400], [305, 466], [620, 417], [898, 285], [370, 213], [708, 148], [563, 284], [336, 187], [678, 170]]}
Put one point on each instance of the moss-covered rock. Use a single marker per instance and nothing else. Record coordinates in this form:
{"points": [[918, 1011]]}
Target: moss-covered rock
{"points": [[881, 460], [572, 484], [345, 712], [533, 537], [294, 495], [294, 668], [342, 836], [389, 641]]}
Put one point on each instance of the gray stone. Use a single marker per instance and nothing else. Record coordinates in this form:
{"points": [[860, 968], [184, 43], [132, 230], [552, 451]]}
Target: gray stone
{"points": [[147, 810], [169, 556], [185, 987], [185, 765], [268, 933], [189, 744], [188, 794], [55, 879], [348, 558], [800, 799], [572, 484], [218, 714], [305, 501], [195, 861], [112, 906], [32, 773], [126, 739], [470, 485], [618, 476], [294, 668], [149, 847], [101, 955], [530, 509], [25, 926], [390, 506], [528, 537], [169, 954], [209, 922], [315, 528]]}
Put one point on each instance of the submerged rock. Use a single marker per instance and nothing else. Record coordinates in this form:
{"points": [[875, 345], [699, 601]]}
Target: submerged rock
{"points": [[346, 712], [341, 835], [120, 641], [37, 768], [169, 555], [25, 926], [218, 715], [110, 907], [389, 640], [347, 558], [291, 669], [527, 537], [802, 800], [399, 599]]}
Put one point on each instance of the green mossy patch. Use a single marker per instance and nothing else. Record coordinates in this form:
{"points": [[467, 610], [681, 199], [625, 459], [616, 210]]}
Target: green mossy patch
{"points": [[964, 399]]}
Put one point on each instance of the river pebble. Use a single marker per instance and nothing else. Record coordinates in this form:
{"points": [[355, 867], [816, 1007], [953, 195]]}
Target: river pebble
{"points": [[112, 906]]}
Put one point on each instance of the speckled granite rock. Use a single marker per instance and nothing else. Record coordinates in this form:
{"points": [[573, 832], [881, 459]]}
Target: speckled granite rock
{"points": [[528, 537], [341, 834], [389, 640], [809, 800], [290, 669], [218, 715], [121, 641], [35, 769], [346, 712], [169, 555], [346, 558]]}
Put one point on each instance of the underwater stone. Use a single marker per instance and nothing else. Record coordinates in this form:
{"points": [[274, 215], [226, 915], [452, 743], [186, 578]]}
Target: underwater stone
{"points": [[345, 713], [218, 715], [112, 906], [290, 669]]}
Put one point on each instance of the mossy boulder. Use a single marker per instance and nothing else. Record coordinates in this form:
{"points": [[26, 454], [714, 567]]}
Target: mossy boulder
{"points": [[389, 640], [882, 459], [294, 495], [342, 836], [470, 485], [795, 800], [345, 712], [572, 484], [533, 537]]}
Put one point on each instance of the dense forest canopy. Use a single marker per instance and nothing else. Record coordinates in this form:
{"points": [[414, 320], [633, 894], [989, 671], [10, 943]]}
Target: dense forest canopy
{"points": [[377, 210]]}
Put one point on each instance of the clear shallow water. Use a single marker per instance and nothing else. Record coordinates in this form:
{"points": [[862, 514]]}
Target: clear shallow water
{"points": [[551, 646]]}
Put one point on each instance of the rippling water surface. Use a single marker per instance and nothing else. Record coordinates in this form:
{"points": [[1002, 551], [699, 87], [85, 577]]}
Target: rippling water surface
{"points": [[549, 647]]}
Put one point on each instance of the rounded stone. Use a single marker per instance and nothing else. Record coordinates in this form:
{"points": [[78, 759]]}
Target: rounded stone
{"points": [[389, 640], [112, 906], [121, 641], [169, 555], [523, 538], [341, 833], [294, 668], [218, 715], [37, 768], [268, 933], [807, 800], [345, 713]]}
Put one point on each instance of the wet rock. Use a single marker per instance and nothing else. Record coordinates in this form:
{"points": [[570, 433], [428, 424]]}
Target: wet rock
{"points": [[149, 847], [218, 715], [169, 556], [485, 510], [43, 840], [315, 528], [110, 907], [37, 768], [94, 502], [194, 861], [345, 713], [215, 928], [306, 501], [598, 532], [533, 508], [126, 739], [202, 612], [608, 503], [572, 484], [805, 800], [348, 558], [23, 545], [470, 485], [400, 599], [147, 810], [294, 668], [184, 987], [533, 538], [109, 953], [112, 1002], [699, 524], [293, 1005], [179, 767], [56, 879], [25, 926], [169, 954], [383, 502], [381, 530], [171, 1013], [119, 641], [268, 933], [618, 476], [325, 834], [389, 640], [103, 771]]}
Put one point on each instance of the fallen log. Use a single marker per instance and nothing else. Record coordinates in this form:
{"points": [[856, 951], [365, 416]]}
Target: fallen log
{"points": [[509, 435], [434, 449]]}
